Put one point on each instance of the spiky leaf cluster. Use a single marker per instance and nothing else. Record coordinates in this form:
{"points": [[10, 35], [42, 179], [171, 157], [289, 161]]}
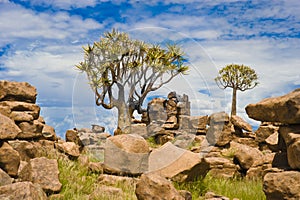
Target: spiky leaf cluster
{"points": [[235, 76]]}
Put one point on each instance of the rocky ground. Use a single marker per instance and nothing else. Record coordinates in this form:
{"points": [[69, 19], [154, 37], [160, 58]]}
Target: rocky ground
{"points": [[181, 148]]}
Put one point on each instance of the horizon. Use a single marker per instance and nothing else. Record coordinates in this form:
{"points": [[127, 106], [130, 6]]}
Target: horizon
{"points": [[41, 42]]}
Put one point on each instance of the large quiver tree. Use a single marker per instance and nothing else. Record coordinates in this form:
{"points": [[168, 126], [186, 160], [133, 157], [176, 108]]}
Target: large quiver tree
{"points": [[122, 71], [237, 77]]}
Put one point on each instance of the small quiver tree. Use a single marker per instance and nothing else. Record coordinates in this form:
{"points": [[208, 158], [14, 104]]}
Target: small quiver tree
{"points": [[237, 77], [122, 71]]}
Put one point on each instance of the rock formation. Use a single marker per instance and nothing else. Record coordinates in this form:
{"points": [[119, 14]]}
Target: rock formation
{"points": [[284, 111]]}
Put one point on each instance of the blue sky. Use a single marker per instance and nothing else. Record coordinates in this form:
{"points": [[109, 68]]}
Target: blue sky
{"points": [[41, 40]]}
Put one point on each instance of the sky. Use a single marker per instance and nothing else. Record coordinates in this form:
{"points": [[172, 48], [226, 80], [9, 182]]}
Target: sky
{"points": [[41, 42]]}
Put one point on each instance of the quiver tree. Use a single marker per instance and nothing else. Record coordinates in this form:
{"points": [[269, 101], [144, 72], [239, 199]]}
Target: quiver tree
{"points": [[122, 71], [237, 77]]}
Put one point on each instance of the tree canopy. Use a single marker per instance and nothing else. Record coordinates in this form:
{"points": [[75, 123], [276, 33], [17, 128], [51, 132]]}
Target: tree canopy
{"points": [[122, 71], [237, 77]]}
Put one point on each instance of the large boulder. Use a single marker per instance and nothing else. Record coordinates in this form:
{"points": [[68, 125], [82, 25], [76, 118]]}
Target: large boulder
{"points": [[22, 190], [155, 187], [8, 128], [5, 179], [69, 148], [30, 130], [17, 91], [222, 167], [9, 159], [219, 132], [177, 164], [25, 149], [44, 172], [22, 111], [291, 136], [282, 185], [246, 156], [241, 123], [126, 154], [264, 131], [283, 109]]}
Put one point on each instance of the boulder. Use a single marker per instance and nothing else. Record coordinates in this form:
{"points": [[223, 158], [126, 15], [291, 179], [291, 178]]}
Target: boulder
{"points": [[156, 110], [184, 140], [102, 191], [69, 148], [44, 172], [283, 109], [73, 136], [272, 141], [220, 117], [126, 154], [48, 132], [221, 167], [25, 149], [9, 159], [97, 129], [219, 134], [22, 190], [247, 156], [264, 131], [16, 108], [114, 180], [5, 179], [291, 136], [30, 130], [282, 185], [193, 122], [177, 164], [139, 129], [17, 91], [8, 128], [241, 123], [155, 187]]}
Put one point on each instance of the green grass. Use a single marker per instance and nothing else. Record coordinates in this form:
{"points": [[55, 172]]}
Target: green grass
{"points": [[78, 183], [243, 189]]}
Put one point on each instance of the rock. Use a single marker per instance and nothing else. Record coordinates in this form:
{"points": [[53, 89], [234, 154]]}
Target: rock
{"points": [[5, 179], [19, 116], [17, 91], [69, 148], [95, 167], [8, 128], [48, 132], [246, 156], [139, 129], [264, 131], [97, 128], [155, 187], [220, 117], [291, 136], [272, 141], [9, 159], [219, 134], [283, 109], [221, 167], [184, 140], [30, 130], [186, 194], [282, 185], [73, 136], [25, 149], [44, 172], [156, 110], [239, 122], [126, 154], [102, 191], [177, 164], [114, 180], [16, 107], [193, 123], [213, 196], [22, 190]]}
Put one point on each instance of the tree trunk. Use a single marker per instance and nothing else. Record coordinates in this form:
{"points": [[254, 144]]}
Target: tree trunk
{"points": [[124, 118], [233, 105]]}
